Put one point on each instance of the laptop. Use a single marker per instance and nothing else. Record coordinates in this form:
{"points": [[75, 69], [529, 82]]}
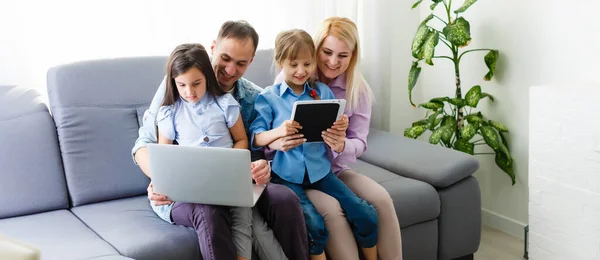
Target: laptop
{"points": [[205, 175]]}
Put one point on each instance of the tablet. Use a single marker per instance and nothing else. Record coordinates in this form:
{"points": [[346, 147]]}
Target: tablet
{"points": [[316, 116]]}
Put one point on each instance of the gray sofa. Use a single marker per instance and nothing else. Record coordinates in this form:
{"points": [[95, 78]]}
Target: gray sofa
{"points": [[70, 187]]}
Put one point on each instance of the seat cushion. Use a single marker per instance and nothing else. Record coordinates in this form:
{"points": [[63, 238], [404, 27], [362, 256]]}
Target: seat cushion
{"points": [[58, 235], [415, 201], [135, 231], [31, 172]]}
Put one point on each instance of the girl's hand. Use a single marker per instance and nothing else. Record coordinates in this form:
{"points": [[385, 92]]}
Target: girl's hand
{"points": [[157, 199], [288, 127], [335, 136], [286, 143], [261, 171]]}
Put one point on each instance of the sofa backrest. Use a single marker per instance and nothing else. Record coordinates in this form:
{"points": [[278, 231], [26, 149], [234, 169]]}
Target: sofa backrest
{"points": [[97, 107], [261, 71], [31, 171]]}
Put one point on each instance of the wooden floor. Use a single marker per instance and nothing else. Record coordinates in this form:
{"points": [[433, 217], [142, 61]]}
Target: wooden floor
{"points": [[497, 245]]}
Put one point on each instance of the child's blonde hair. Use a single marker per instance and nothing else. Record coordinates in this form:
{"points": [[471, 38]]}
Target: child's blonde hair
{"points": [[346, 30], [289, 44]]}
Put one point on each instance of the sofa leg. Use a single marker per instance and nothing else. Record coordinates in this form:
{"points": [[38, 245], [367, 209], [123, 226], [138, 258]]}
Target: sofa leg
{"points": [[467, 257]]}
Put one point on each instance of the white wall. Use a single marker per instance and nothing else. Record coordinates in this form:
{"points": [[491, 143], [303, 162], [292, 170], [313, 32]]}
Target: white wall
{"points": [[564, 172], [540, 41], [36, 35]]}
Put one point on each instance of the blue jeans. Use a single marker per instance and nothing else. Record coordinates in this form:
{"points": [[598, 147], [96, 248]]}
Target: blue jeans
{"points": [[361, 215]]}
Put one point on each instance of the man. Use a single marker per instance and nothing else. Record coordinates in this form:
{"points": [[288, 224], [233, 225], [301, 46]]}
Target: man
{"points": [[232, 52]]}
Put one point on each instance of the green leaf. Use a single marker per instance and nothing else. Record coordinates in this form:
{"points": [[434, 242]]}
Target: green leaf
{"points": [[416, 4], [464, 146], [504, 149], [440, 133], [413, 75], [419, 39], [473, 96], [504, 141], [484, 95], [432, 105], [429, 47], [499, 126], [490, 61], [459, 102], [465, 6], [415, 131], [469, 131], [433, 6], [458, 32], [474, 118], [490, 136], [433, 120], [440, 99], [420, 122], [506, 164], [450, 123]]}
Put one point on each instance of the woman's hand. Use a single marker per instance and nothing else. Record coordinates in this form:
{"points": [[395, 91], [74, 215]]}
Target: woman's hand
{"points": [[261, 171], [335, 136], [157, 199], [287, 143], [288, 127]]}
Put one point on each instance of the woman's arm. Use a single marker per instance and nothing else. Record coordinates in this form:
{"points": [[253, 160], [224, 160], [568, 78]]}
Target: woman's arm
{"points": [[240, 139]]}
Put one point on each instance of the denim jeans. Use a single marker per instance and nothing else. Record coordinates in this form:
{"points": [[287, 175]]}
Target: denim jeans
{"points": [[361, 215]]}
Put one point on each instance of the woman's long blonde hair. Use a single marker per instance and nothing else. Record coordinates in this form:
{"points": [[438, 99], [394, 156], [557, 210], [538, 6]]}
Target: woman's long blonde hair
{"points": [[346, 30]]}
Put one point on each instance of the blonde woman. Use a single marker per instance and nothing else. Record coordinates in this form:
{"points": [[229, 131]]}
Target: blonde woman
{"points": [[338, 59]]}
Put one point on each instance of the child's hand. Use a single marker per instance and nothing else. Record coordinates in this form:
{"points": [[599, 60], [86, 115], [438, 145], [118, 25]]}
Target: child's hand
{"points": [[287, 143], [288, 127], [157, 199]]}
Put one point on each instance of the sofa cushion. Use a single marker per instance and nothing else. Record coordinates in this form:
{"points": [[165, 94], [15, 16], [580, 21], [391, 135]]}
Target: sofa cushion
{"points": [[415, 201], [96, 106], [433, 164], [134, 230], [58, 235], [30, 167]]}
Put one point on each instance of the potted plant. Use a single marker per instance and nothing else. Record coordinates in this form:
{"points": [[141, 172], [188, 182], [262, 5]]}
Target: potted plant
{"points": [[455, 122]]}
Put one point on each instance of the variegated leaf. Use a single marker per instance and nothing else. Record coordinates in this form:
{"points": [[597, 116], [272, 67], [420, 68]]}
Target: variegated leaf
{"points": [[469, 131], [458, 32], [490, 61], [413, 75], [499, 126], [473, 96], [415, 131], [490, 137], [464, 146], [465, 6]]}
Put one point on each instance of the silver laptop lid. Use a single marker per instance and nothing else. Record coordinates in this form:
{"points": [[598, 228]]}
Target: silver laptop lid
{"points": [[206, 175]]}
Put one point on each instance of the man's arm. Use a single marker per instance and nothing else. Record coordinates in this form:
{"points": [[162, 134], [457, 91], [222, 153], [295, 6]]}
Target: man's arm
{"points": [[148, 132]]}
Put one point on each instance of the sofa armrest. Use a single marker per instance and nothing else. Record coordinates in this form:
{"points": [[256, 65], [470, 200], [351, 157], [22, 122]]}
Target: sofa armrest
{"points": [[433, 164]]}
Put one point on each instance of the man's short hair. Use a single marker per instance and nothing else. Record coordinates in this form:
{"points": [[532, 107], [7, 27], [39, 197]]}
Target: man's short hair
{"points": [[240, 30]]}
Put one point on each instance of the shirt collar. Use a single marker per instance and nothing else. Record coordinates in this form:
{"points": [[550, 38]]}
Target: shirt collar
{"points": [[207, 99], [239, 90], [284, 87], [339, 81]]}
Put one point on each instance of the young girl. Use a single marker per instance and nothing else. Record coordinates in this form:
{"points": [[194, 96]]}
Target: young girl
{"points": [[307, 165], [196, 111]]}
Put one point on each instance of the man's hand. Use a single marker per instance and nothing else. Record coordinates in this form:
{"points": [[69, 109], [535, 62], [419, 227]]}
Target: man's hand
{"points": [[286, 143], [157, 199], [288, 127], [261, 172]]}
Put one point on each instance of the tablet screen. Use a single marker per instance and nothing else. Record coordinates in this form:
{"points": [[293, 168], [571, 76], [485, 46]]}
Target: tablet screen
{"points": [[315, 118]]}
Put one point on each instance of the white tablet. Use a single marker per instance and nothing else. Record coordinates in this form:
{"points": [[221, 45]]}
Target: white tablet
{"points": [[316, 116]]}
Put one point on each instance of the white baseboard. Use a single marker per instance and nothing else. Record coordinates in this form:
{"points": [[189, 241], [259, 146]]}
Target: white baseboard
{"points": [[503, 223]]}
